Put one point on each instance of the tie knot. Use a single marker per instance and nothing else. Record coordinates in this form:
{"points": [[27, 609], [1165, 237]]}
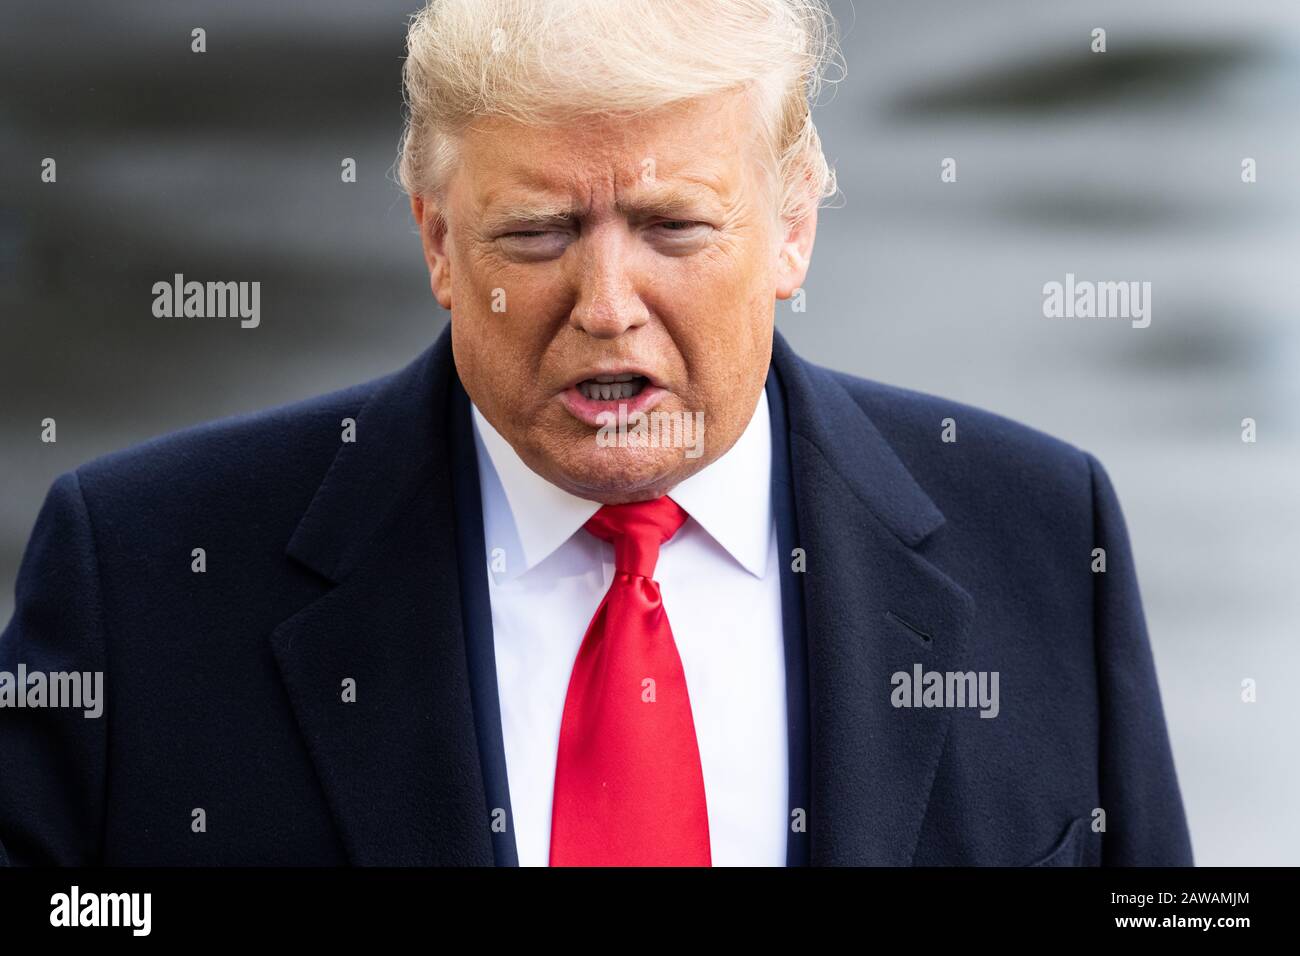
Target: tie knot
{"points": [[637, 530]]}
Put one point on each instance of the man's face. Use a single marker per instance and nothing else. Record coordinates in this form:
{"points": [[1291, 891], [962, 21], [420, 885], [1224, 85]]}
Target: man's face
{"points": [[621, 261]]}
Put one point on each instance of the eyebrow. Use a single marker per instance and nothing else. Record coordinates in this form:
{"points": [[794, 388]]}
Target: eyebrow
{"points": [[525, 213], [663, 202]]}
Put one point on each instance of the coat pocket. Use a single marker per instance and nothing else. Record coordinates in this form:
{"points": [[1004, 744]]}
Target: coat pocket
{"points": [[1069, 848]]}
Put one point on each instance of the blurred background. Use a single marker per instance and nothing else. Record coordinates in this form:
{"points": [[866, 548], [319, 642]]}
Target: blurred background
{"points": [[1117, 166]]}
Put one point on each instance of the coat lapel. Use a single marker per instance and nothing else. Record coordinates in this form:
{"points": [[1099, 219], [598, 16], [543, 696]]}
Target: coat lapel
{"points": [[400, 765], [873, 606]]}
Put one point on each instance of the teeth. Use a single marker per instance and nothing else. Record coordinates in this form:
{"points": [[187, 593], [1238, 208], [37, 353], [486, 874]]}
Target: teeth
{"points": [[609, 388]]}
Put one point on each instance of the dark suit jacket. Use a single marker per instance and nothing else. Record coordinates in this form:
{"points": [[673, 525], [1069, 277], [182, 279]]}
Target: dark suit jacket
{"points": [[329, 560]]}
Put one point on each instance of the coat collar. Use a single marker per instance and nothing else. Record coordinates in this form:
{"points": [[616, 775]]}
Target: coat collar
{"points": [[401, 766], [827, 420], [873, 606]]}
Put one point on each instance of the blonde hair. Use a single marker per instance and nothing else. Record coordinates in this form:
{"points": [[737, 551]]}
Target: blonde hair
{"points": [[551, 61]]}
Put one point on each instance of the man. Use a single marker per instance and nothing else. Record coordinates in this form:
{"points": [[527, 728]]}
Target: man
{"points": [[608, 575]]}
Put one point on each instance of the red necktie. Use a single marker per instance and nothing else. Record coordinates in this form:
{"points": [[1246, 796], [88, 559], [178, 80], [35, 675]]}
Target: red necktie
{"points": [[629, 790]]}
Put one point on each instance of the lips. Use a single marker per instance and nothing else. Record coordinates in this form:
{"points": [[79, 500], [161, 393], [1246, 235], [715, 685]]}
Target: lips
{"points": [[595, 397]]}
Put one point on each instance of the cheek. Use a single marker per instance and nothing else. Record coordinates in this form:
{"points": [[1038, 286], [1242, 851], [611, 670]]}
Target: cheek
{"points": [[507, 315], [731, 279], [483, 285], [719, 308]]}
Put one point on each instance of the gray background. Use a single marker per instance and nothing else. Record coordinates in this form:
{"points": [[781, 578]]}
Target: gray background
{"points": [[1115, 167]]}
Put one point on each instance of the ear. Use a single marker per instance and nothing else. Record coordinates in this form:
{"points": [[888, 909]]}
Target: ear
{"points": [[795, 253], [433, 237]]}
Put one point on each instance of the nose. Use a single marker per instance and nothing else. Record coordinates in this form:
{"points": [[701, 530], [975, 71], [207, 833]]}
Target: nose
{"points": [[608, 303]]}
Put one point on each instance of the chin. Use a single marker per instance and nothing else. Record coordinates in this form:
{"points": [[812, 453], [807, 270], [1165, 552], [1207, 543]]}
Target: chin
{"points": [[619, 475]]}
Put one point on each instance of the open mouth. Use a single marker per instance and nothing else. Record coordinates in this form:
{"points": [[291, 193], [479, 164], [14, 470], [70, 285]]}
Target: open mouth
{"points": [[612, 388], [594, 399]]}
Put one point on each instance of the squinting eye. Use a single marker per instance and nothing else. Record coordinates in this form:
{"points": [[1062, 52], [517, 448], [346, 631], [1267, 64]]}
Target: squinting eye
{"points": [[534, 245], [679, 225]]}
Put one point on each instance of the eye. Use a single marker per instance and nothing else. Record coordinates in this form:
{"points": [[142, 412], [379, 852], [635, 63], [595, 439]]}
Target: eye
{"points": [[679, 237], [533, 245]]}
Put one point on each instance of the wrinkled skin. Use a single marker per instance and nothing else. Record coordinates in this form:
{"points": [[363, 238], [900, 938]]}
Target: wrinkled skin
{"points": [[648, 244]]}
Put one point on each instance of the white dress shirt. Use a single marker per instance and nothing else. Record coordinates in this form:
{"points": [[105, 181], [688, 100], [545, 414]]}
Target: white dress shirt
{"points": [[721, 589]]}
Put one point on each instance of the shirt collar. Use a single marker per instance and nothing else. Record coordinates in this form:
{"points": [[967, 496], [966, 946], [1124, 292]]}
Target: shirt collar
{"points": [[731, 499]]}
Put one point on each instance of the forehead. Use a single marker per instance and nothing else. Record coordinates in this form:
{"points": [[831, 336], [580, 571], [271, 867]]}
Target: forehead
{"points": [[705, 148]]}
